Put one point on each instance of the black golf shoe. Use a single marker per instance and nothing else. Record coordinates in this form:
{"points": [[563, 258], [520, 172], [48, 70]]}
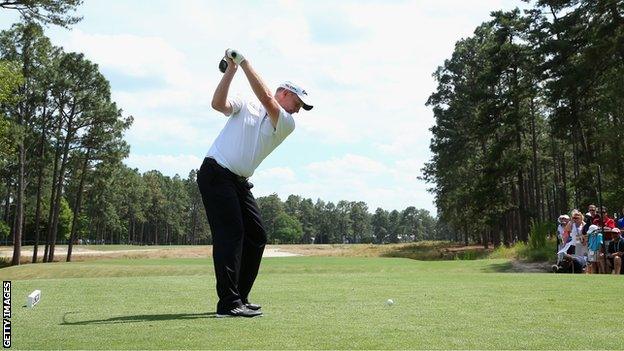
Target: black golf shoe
{"points": [[252, 306], [241, 311]]}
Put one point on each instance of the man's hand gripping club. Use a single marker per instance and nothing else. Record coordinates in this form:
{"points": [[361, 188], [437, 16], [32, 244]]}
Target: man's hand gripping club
{"points": [[233, 55]]}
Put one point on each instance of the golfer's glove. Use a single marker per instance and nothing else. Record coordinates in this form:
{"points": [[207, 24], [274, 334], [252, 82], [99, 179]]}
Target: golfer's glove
{"points": [[236, 56]]}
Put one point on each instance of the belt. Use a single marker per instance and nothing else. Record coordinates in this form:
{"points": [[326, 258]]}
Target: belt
{"points": [[229, 173]]}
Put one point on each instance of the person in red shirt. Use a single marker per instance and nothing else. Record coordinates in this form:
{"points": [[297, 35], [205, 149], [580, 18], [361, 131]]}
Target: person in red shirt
{"points": [[607, 223]]}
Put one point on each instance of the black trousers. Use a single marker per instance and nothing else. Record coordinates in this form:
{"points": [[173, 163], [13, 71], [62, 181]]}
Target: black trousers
{"points": [[238, 235], [571, 266]]}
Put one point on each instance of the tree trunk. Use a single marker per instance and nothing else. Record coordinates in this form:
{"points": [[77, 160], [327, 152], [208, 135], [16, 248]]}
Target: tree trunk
{"points": [[522, 220], [193, 223], [564, 190], [531, 187], [77, 205], [19, 207], [575, 172], [505, 229], [57, 155], [534, 166], [496, 234], [39, 186], [581, 130], [37, 215], [485, 238], [59, 191], [130, 230]]}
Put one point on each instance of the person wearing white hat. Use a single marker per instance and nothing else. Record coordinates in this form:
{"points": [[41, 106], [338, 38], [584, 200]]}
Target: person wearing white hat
{"points": [[252, 131]]}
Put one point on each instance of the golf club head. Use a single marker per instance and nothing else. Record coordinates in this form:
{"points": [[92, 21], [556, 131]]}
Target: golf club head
{"points": [[223, 65]]}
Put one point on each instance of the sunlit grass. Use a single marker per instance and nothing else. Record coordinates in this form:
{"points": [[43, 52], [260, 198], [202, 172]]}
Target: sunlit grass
{"points": [[309, 303]]}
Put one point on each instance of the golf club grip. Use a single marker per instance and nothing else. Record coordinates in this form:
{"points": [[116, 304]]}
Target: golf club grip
{"points": [[223, 65]]}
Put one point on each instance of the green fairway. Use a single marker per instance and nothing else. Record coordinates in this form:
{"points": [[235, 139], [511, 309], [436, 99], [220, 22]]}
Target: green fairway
{"points": [[314, 303]]}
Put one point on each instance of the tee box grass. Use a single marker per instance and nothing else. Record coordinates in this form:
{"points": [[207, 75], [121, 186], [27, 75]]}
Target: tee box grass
{"points": [[314, 303]]}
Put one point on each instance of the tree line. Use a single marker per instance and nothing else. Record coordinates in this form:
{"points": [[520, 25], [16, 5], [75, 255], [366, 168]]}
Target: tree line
{"points": [[62, 179], [302, 220], [528, 109]]}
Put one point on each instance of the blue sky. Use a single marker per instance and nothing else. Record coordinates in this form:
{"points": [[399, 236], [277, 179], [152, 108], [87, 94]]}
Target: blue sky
{"points": [[367, 65]]}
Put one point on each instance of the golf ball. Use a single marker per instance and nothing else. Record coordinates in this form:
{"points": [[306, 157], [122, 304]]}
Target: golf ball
{"points": [[389, 302]]}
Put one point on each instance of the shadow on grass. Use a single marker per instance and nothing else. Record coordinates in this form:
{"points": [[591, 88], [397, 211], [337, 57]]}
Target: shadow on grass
{"points": [[504, 267], [140, 318], [5, 262], [437, 251], [517, 266]]}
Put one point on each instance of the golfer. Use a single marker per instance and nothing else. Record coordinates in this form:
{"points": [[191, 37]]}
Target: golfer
{"points": [[251, 132]]}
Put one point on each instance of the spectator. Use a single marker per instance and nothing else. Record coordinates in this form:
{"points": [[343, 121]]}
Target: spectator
{"points": [[571, 262], [575, 229], [615, 252], [590, 216], [620, 221], [562, 222], [607, 222], [594, 244]]}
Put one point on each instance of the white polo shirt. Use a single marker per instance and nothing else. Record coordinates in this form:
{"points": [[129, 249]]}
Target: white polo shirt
{"points": [[249, 137]]}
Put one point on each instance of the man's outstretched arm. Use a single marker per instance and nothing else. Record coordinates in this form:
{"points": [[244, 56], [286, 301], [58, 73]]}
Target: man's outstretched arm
{"points": [[258, 86], [219, 99]]}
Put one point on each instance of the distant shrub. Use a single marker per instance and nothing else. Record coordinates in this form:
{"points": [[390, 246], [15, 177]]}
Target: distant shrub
{"points": [[545, 253], [525, 252], [539, 233], [470, 255], [507, 252], [539, 248]]}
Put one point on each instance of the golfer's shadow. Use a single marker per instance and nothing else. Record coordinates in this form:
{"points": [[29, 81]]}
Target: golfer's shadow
{"points": [[139, 318]]}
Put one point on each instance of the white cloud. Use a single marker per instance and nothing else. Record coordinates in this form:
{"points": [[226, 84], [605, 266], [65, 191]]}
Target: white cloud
{"points": [[409, 139], [153, 99], [167, 114], [345, 167], [275, 174], [170, 130], [132, 55]]}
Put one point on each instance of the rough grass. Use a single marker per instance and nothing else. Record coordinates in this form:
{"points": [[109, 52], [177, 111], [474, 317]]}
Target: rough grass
{"points": [[424, 251], [311, 303]]}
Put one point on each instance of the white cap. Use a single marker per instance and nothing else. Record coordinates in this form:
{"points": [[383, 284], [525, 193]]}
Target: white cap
{"points": [[301, 93], [592, 228]]}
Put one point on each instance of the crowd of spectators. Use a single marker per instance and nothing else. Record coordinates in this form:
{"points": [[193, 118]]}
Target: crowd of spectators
{"points": [[591, 243]]}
